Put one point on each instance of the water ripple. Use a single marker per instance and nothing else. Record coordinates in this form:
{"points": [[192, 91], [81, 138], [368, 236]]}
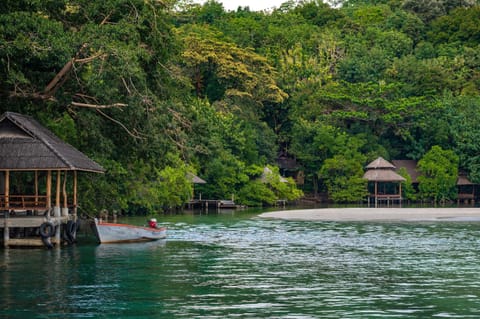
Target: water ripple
{"points": [[255, 268]]}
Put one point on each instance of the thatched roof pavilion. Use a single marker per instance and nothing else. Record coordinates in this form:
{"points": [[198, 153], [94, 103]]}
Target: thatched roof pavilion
{"points": [[195, 179], [26, 145], [36, 158], [382, 174], [465, 189]]}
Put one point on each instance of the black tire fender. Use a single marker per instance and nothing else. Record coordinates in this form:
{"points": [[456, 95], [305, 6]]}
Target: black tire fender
{"points": [[47, 229], [46, 241], [71, 230]]}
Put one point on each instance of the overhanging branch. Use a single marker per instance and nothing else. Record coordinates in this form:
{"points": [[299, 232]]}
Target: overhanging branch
{"points": [[120, 124], [98, 106]]}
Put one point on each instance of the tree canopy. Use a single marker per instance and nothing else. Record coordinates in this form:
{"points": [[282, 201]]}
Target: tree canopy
{"points": [[154, 90]]}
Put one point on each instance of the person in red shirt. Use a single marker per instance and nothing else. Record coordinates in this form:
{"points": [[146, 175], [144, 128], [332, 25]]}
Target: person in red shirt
{"points": [[152, 223]]}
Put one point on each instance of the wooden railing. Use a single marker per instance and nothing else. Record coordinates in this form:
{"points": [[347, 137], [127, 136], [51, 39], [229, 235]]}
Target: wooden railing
{"points": [[23, 202], [387, 196], [466, 196]]}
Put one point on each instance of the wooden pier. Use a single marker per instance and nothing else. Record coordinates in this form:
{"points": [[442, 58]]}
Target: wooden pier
{"points": [[212, 203]]}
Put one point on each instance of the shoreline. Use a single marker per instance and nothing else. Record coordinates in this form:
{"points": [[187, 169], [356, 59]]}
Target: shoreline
{"points": [[377, 214]]}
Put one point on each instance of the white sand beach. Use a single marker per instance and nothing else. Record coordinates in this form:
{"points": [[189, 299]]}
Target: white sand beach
{"points": [[378, 214]]}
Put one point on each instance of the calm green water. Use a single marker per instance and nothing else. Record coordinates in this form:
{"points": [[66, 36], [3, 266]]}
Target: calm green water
{"points": [[240, 266]]}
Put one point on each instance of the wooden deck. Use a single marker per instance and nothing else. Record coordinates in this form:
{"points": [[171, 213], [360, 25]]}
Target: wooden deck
{"points": [[388, 199], [466, 198], [212, 203], [29, 221]]}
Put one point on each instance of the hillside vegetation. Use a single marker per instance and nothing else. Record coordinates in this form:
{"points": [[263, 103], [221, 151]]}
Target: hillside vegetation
{"points": [[154, 90]]}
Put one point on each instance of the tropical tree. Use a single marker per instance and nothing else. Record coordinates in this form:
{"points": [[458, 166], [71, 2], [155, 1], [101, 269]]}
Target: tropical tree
{"points": [[343, 173], [438, 170], [219, 69], [463, 122], [312, 143], [408, 192], [266, 186]]}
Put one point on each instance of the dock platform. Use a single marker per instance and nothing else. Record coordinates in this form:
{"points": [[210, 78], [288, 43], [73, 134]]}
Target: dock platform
{"points": [[212, 203]]}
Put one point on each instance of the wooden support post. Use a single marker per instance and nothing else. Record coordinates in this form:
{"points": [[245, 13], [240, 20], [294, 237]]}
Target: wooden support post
{"points": [[400, 199], [57, 209], [64, 209], [36, 188], [75, 195], [49, 189], [7, 189], [6, 229], [57, 191], [64, 190]]}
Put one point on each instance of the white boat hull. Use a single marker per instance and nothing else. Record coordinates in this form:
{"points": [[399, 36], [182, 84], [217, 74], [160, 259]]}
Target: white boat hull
{"points": [[117, 233]]}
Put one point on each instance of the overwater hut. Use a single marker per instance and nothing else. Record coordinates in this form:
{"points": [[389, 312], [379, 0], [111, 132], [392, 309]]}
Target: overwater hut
{"points": [[289, 167], [36, 169], [465, 189], [387, 184], [194, 179]]}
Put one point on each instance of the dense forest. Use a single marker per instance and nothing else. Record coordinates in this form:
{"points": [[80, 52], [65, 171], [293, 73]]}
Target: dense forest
{"points": [[155, 91]]}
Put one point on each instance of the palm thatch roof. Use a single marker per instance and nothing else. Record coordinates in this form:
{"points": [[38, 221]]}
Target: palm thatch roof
{"points": [[27, 145], [380, 163], [381, 170], [195, 179], [463, 180], [382, 176]]}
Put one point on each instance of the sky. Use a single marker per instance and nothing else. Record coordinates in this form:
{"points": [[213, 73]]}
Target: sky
{"points": [[254, 5]]}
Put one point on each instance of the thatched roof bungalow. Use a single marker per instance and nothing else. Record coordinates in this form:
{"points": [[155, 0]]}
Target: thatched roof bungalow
{"points": [[465, 189], [31, 159], [26, 145], [387, 184]]}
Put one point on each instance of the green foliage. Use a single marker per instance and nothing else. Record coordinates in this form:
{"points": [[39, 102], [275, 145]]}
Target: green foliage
{"points": [[159, 88], [439, 173], [343, 177], [235, 71], [408, 192], [156, 189], [105, 191], [255, 193], [318, 13], [313, 143], [342, 173], [462, 114], [224, 175], [63, 127], [266, 186], [173, 189], [459, 26], [283, 188]]}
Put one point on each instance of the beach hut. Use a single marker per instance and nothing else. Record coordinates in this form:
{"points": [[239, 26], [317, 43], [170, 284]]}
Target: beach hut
{"points": [[194, 179], [36, 169], [465, 189], [387, 184]]}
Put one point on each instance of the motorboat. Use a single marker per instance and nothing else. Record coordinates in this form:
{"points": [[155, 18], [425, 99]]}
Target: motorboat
{"points": [[123, 233]]}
